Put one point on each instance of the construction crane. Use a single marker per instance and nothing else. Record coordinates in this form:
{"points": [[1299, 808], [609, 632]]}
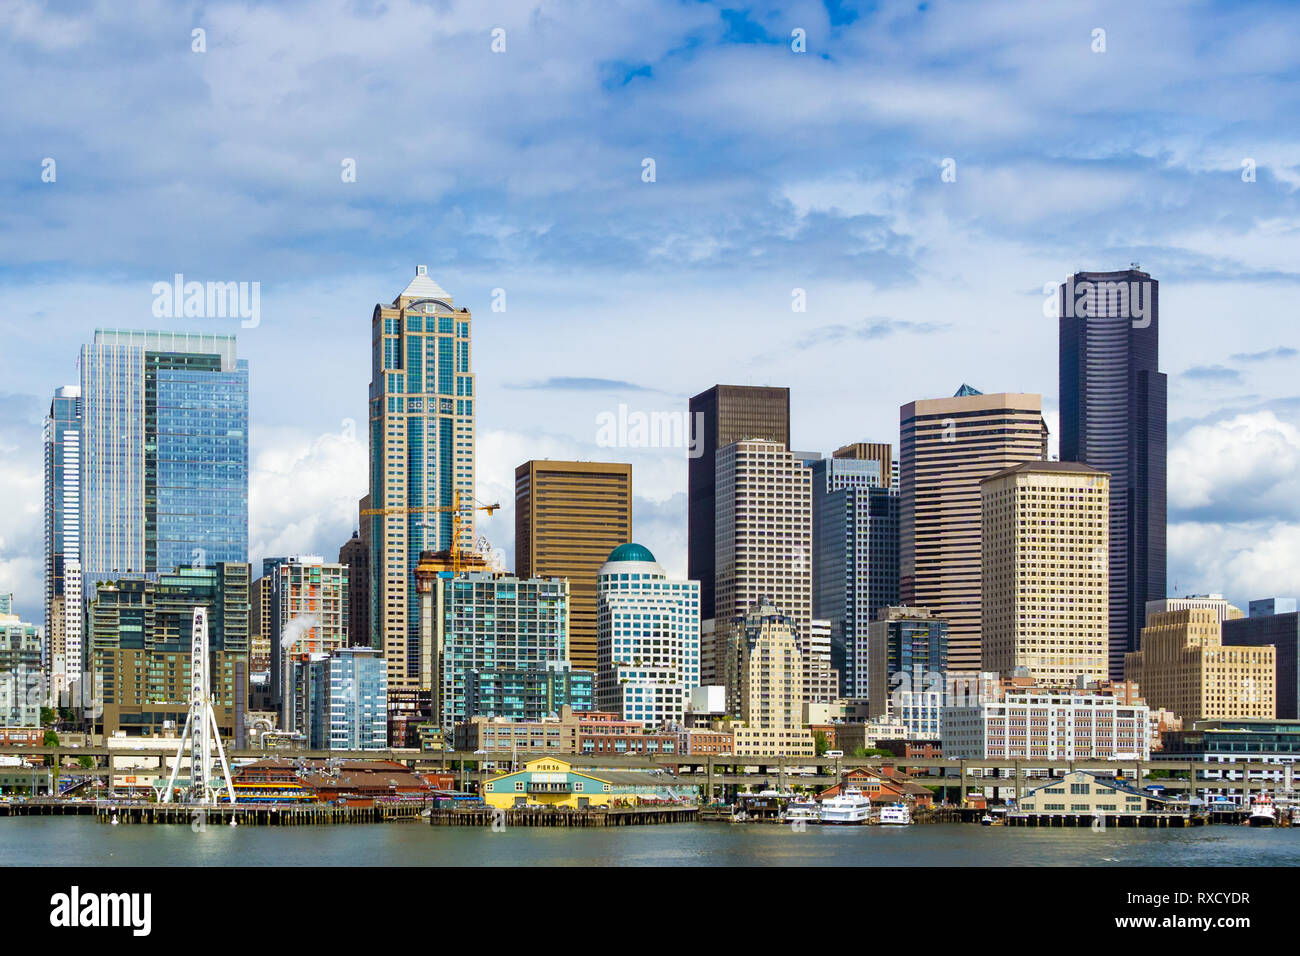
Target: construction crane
{"points": [[455, 509]]}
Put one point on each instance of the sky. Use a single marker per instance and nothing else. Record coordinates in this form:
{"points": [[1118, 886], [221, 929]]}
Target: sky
{"points": [[635, 199]]}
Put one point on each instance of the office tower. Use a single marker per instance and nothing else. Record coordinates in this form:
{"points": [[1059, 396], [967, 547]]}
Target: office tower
{"points": [[261, 624], [164, 453], [346, 696], [765, 683], [821, 681], [720, 416], [1215, 602], [529, 693], [855, 557], [309, 612], [948, 445], [355, 556], [63, 611], [763, 531], [421, 457], [139, 641], [1045, 587], [1113, 417], [21, 682], [908, 664], [486, 621], [569, 515], [1184, 666], [1266, 606], [1281, 631], [882, 452], [647, 638]]}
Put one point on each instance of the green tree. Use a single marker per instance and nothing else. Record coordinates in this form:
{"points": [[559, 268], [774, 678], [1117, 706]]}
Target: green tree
{"points": [[85, 763], [47, 716], [51, 739], [819, 742]]}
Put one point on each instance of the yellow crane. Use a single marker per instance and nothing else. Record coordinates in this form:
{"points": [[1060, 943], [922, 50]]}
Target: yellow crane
{"points": [[456, 510]]}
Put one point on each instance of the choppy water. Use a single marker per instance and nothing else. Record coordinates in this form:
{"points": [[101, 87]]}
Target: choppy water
{"points": [[63, 841]]}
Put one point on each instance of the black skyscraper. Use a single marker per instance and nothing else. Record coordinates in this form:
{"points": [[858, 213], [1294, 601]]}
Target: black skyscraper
{"points": [[1113, 417], [720, 416]]}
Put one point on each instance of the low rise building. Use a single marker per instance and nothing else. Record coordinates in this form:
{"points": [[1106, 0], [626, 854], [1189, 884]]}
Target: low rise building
{"points": [[704, 741], [1087, 793], [1048, 725], [550, 782], [572, 732]]}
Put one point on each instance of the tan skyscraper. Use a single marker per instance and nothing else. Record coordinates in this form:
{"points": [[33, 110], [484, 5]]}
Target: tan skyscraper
{"points": [[421, 458], [948, 445], [569, 516], [1184, 666], [882, 452], [1045, 531], [765, 677]]}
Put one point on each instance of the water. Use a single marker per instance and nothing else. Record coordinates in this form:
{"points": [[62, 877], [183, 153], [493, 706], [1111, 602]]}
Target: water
{"points": [[65, 841]]}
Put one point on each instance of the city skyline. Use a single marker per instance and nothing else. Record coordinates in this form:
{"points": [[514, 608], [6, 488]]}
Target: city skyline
{"points": [[861, 224]]}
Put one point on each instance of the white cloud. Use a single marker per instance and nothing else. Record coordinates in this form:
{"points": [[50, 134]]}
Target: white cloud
{"points": [[1246, 464]]}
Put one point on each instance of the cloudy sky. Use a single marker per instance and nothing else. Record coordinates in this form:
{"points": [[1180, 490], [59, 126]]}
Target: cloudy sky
{"points": [[1170, 139]]}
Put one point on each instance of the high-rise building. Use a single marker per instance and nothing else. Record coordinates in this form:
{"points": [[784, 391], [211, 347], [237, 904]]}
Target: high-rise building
{"points": [[647, 639], [262, 625], [485, 621], [763, 531], [882, 452], [309, 613], [139, 640], [347, 699], [1263, 607], [1184, 666], [908, 664], [1224, 610], [569, 515], [355, 556], [948, 445], [1114, 417], [855, 557], [164, 453], [421, 457], [821, 681], [21, 678], [64, 616], [1045, 587], [720, 416], [529, 693], [1282, 632], [765, 683]]}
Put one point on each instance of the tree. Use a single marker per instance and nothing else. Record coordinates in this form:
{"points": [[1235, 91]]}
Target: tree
{"points": [[85, 763], [819, 742], [51, 739], [47, 716]]}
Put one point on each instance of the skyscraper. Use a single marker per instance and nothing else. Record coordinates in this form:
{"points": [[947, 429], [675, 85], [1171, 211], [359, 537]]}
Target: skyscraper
{"points": [[882, 452], [720, 416], [855, 556], [648, 638], [1114, 417], [569, 516], [1045, 590], [764, 679], [309, 614], [164, 453], [421, 457], [763, 532], [62, 648], [947, 446], [355, 556]]}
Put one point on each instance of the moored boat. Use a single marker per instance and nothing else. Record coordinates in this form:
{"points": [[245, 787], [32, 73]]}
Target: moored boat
{"points": [[895, 815], [1263, 813], [850, 807]]}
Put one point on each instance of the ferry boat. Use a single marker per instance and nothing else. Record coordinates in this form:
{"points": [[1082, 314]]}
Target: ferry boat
{"points": [[895, 815], [1262, 811], [851, 807], [809, 812]]}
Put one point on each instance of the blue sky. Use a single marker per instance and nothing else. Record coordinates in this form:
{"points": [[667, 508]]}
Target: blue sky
{"points": [[522, 170]]}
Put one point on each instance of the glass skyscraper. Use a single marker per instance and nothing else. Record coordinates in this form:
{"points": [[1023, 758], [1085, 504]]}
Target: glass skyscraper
{"points": [[62, 649], [1114, 418], [421, 455], [164, 453]]}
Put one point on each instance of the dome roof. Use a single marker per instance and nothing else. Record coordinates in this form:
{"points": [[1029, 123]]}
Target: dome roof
{"points": [[631, 552]]}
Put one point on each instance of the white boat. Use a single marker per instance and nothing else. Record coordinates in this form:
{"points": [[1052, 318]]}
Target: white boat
{"points": [[1262, 811], [849, 807], [895, 815], [809, 812]]}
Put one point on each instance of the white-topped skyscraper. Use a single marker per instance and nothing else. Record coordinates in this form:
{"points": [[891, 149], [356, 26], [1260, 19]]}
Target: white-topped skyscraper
{"points": [[421, 456], [62, 648], [647, 638]]}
